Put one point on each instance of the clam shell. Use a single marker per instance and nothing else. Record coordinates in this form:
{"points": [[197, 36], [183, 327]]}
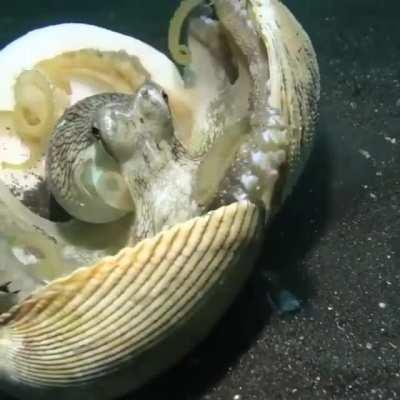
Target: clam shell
{"points": [[107, 328], [295, 79]]}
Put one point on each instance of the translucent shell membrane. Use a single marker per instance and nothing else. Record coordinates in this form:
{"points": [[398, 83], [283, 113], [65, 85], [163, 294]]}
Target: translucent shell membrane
{"points": [[85, 326]]}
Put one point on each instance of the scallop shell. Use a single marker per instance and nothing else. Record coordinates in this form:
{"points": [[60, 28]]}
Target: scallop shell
{"points": [[129, 316]]}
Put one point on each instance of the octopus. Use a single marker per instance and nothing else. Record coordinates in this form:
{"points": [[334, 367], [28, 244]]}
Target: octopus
{"points": [[111, 148]]}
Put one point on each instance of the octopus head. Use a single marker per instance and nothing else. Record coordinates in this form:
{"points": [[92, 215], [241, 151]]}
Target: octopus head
{"points": [[124, 127], [99, 137]]}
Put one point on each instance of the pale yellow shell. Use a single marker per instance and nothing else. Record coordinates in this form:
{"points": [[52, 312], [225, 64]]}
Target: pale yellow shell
{"points": [[295, 79], [142, 308]]}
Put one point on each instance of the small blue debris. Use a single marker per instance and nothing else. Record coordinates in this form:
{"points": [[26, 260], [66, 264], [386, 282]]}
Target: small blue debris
{"points": [[286, 302]]}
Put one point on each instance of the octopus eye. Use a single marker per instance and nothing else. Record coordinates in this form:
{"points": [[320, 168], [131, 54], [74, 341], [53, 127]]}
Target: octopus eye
{"points": [[96, 132], [164, 96]]}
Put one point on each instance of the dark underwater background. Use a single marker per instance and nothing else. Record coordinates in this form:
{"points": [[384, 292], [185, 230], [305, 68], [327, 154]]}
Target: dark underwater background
{"points": [[335, 243]]}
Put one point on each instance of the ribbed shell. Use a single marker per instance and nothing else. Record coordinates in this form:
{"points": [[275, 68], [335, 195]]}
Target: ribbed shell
{"points": [[91, 322], [295, 80]]}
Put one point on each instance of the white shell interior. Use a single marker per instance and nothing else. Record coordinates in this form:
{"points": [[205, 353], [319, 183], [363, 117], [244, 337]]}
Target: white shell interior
{"points": [[50, 41]]}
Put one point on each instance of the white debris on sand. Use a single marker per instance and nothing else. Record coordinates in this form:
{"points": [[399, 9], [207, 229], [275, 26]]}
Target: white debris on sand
{"points": [[391, 140], [365, 153]]}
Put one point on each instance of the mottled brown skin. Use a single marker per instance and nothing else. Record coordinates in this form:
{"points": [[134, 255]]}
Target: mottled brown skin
{"points": [[74, 133], [134, 132]]}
